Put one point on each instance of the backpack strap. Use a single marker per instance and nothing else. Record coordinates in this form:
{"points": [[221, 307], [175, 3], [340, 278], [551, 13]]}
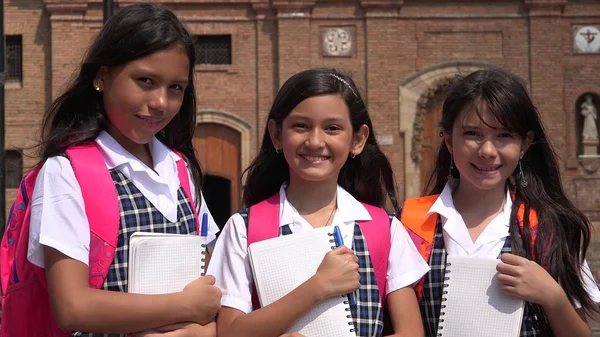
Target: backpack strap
{"points": [[262, 223], [101, 207], [420, 228], [533, 229], [378, 236], [184, 180], [263, 220]]}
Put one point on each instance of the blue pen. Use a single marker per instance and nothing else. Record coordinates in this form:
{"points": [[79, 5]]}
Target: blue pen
{"points": [[337, 237], [204, 226]]}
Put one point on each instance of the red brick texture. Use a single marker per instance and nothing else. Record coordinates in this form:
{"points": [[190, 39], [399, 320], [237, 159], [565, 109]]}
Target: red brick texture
{"points": [[395, 39]]}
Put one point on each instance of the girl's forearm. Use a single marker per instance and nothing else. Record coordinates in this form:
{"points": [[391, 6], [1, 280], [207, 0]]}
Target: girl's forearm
{"points": [[564, 319], [274, 319], [104, 311]]}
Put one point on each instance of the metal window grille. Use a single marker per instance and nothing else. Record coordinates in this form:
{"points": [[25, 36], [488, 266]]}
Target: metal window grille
{"points": [[213, 49], [14, 168], [14, 58]]}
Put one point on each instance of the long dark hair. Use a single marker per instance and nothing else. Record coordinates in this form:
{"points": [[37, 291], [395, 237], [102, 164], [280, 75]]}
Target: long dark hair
{"points": [[563, 233], [368, 177], [136, 31]]}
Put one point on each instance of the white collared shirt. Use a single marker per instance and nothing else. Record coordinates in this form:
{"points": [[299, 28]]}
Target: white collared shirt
{"points": [[230, 265], [58, 218], [458, 242], [457, 239]]}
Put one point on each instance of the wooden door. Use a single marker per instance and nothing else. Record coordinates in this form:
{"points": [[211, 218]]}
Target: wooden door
{"points": [[431, 138], [218, 149]]}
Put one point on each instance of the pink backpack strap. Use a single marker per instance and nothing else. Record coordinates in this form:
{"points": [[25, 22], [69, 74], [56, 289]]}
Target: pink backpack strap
{"points": [[263, 224], [378, 236], [184, 180], [263, 220], [101, 207]]}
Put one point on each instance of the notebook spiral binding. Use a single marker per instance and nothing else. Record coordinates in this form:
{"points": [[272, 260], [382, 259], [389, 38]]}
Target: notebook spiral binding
{"points": [[203, 266], [346, 302], [440, 332]]}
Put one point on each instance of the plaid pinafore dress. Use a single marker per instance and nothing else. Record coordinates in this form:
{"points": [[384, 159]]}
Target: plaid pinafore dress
{"points": [[431, 301], [139, 215], [367, 314]]}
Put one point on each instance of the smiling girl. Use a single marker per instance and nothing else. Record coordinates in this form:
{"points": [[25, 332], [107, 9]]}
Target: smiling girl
{"points": [[496, 192], [320, 165]]}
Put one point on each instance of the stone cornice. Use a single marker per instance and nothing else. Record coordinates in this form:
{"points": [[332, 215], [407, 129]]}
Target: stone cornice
{"points": [[545, 7], [381, 8], [262, 9], [66, 10], [293, 9]]}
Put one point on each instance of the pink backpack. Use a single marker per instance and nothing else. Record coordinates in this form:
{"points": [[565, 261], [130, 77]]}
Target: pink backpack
{"points": [[263, 224], [26, 306]]}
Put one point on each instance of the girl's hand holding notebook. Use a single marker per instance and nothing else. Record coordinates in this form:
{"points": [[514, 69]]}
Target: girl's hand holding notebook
{"points": [[203, 298], [527, 280], [338, 272]]}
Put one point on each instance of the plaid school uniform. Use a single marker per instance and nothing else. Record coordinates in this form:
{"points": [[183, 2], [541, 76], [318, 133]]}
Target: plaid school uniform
{"points": [[432, 289], [367, 314], [139, 215]]}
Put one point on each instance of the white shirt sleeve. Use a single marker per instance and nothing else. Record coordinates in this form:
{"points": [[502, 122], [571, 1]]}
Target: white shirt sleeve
{"points": [[201, 208], [58, 218], [230, 266], [405, 266], [589, 284]]}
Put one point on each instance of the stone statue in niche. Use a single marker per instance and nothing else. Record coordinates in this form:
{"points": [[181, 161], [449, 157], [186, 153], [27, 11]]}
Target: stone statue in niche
{"points": [[590, 115]]}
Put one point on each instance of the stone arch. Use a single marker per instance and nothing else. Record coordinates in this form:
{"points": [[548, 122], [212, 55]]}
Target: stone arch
{"points": [[413, 94]]}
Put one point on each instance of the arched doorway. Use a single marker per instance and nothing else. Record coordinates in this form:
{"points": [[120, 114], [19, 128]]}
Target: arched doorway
{"points": [[218, 150], [411, 93]]}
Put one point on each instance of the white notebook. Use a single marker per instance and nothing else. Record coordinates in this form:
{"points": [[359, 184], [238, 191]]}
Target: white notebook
{"points": [[473, 304], [164, 263], [281, 264]]}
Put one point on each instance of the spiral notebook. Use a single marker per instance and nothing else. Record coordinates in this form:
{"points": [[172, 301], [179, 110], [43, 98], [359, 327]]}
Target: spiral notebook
{"points": [[164, 263], [281, 264], [473, 304]]}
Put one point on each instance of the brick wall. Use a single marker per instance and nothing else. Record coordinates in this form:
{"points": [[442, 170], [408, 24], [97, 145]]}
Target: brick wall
{"points": [[394, 41], [25, 101]]}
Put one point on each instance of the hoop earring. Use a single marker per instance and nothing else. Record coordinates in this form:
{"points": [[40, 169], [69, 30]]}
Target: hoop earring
{"points": [[352, 155], [523, 180], [278, 151]]}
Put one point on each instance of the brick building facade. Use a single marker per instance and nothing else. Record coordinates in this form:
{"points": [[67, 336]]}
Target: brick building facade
{"points": [[399, 52]]}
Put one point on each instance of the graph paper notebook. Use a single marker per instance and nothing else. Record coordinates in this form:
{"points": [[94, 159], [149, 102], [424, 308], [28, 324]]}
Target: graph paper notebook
{"points": [[164, 263], [280, 265], [473, 304]]}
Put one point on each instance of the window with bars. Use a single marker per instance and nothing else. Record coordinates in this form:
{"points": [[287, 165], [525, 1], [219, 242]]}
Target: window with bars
{"points": [[213, 49], [13, 168], [14, 58]]}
